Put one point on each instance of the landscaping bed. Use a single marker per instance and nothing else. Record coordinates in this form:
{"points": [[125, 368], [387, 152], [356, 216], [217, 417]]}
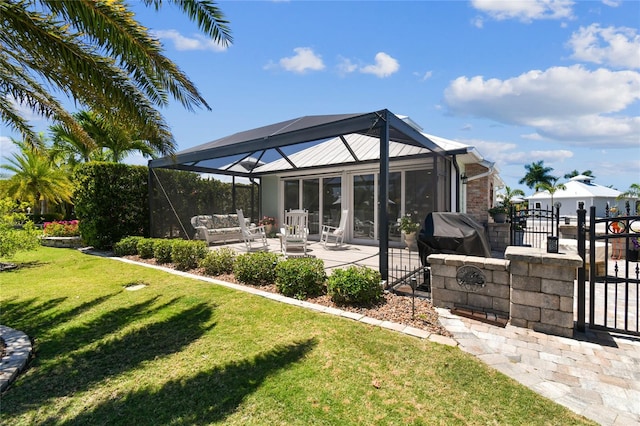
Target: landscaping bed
{"points": [[394, 308]]}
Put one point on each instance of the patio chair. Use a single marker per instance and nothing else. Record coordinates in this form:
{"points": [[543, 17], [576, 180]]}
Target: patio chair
{"points": [[337, 233], [252, 234], [293, 234]]}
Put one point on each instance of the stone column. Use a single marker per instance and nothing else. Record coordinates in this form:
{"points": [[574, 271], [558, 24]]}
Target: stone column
{"points": [[542, 289]]}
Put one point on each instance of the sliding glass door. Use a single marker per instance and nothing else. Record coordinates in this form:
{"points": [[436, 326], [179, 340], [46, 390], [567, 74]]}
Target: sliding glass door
{"points": [[364, 207]]}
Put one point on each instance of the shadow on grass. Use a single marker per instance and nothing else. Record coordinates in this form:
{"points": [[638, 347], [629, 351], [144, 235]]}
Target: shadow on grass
{"points": [[31, 315], [64, 373], [209, 396]]}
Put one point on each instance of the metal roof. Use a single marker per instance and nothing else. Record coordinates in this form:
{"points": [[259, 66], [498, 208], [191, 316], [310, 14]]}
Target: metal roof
{"points": [[345, 149], [578, 189], [256, 142]]}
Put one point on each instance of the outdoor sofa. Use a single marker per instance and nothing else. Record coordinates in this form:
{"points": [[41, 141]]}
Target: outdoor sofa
{"points": [[217, 228]]}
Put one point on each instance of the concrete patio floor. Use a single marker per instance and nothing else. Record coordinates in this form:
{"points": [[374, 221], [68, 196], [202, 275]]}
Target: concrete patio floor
{"points": [[402, 261]]}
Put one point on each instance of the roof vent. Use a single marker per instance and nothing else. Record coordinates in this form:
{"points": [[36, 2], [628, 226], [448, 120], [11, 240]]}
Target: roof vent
{"points": [[582, 178]]}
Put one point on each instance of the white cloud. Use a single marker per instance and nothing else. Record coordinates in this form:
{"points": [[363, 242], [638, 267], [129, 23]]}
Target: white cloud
{"points": [[345, 66], [570, 104], [524, 11], [384, 66], [197, 42], [618, 47], [612, 3], [510, 154], [304, 60]]}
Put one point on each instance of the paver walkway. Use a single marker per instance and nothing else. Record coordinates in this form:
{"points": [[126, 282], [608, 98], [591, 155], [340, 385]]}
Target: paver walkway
{"points": [[594, 374]]}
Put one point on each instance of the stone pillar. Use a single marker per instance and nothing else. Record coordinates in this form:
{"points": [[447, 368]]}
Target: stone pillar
{"points": [[499, 235], [542, 289]]}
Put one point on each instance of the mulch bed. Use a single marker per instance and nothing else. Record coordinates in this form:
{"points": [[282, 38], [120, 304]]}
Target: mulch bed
{"points": [[394, 307]]}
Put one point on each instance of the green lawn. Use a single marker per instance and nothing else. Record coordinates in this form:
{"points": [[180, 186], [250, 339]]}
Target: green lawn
{"points": [[183, 351]]}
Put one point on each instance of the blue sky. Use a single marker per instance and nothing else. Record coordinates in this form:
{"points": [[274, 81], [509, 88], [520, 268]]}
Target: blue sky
{"points": [[522, 81]]}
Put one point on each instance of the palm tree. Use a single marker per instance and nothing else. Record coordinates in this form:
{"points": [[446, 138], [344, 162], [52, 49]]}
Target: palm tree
{"points": [[125, 85], [537, 173], [509, 195], [551, 187], [117, 141], [36, 179], [632, 192], [575, 173]]}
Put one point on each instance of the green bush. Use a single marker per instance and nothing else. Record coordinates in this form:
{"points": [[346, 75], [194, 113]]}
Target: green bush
{"points": [[162, 250], [13, 239], [128, 246], [186, 254], [256, 268], [355, 285], [111, 202], [145, 247], [300, 277], [219, 261]]}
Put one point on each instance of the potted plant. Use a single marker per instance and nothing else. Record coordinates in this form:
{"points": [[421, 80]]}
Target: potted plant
{"points": [[269, 224], [498, 213], [409, 229]]}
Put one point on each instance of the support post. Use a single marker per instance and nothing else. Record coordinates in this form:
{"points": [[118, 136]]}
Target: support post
{"points": [[582, 214], [383, 200]]}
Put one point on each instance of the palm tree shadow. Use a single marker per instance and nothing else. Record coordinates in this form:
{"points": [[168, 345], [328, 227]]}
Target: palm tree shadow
{"points": [[30, 316], [208, 397], [82, 369]]}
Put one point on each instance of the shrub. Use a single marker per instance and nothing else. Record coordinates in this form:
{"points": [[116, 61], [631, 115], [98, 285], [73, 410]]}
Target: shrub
{"points": [[218, 262], [256, 268], [186, 254], [355, 285], [145, 248], [300, 277], [62, 228], [12, 239], [162, 250], [111, 202], [128, 246]]}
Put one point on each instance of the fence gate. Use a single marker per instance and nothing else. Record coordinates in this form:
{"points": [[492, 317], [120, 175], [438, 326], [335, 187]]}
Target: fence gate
{"points": [[608, 282], [533, 227]]}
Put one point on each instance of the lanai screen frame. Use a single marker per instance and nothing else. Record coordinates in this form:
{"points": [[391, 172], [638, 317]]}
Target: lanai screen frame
{"points": [[382, 124]]}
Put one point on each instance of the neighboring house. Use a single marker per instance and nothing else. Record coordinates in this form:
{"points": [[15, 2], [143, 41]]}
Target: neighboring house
{"points": [[580, 189]]}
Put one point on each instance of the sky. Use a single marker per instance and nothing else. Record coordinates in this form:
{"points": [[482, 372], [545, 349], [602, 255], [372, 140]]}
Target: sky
{"points": [[522, 81]]}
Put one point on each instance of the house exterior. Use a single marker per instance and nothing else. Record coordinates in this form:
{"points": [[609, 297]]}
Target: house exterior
{"points": [[342, 173], [581, 189], [378, 165]]}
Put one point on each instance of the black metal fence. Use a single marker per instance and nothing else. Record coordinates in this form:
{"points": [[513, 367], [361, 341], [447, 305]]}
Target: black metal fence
{"points": [[533, 227], [609, 281]]}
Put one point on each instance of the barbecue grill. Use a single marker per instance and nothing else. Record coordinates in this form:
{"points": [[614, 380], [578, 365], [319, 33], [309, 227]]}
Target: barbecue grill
{"points": [[451, 233]]}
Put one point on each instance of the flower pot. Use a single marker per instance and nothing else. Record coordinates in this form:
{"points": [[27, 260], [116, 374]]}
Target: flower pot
{"points": [[632, 255], [411, 241], [500, 217]]}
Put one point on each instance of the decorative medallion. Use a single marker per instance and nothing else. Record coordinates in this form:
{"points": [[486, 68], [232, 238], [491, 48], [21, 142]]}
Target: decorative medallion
{"points": [[470, 278]]}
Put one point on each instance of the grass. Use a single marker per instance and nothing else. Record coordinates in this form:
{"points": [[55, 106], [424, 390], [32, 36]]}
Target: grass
{"points": [[183, 351]]}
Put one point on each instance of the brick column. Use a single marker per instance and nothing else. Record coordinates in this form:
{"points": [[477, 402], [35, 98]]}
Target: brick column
{"points": [[478, 193], [542, 289]]}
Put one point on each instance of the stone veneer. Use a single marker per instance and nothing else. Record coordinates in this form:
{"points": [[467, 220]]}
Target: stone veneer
{"points": [[447, 293], [542, 289], [531, 287], [62, 242], [499, 235]]}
